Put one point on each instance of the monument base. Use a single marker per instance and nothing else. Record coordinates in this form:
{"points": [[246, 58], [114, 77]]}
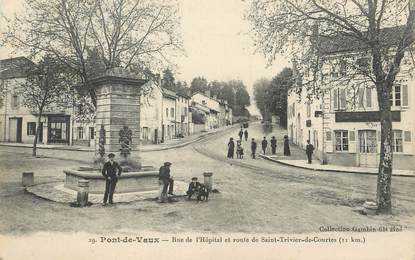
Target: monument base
{"points": [[144, 180]]}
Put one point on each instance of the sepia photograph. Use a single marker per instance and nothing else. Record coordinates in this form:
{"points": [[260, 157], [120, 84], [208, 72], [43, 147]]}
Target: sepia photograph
{"points": [[213, 129]]}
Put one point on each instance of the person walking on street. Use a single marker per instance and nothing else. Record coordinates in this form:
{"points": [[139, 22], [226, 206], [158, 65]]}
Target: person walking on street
{"points": [[109, 171], [241, 133], [165, 181], [286, 146], [309, 151], [246, 135], [264, 145], [253, 148], [231, 148], [273, 145]]}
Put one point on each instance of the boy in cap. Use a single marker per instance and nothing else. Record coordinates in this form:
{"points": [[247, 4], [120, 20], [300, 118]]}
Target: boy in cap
{"points": [[165, 180], [109, 171]]}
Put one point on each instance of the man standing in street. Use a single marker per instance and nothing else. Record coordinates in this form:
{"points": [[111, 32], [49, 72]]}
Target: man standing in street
{"points": [[253, 148], [264, 145], [109, 171], [273, 145], [166, 181], [246, 135], [309, 151], [240, 134]]}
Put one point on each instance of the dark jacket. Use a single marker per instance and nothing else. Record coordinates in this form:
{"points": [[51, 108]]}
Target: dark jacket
{"points": [[264, 143], [253, 145], [110, 170], [164, 173], [231, 144], [309, 149], [273, 142], [193, 187]]}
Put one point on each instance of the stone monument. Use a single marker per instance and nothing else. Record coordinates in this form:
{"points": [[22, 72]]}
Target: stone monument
{"points": [[118, 112], [117, 128]]}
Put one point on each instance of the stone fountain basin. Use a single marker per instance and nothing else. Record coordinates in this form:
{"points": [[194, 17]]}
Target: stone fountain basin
{"points": [[145, 180]]}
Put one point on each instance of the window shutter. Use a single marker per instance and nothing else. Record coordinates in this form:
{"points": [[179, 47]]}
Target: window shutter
{"points": [[352, 136], [342, 99], [335, 99], [407, 136], [360, 94], [328, 136], [368, 97], [405, 95]]}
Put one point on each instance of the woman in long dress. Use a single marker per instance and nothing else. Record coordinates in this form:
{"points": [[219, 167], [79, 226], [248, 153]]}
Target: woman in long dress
{"points": [[286, 146], [231, 148]]}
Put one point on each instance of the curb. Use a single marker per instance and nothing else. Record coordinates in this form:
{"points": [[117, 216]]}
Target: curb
{"points": [[141, 150], [327, 170]]}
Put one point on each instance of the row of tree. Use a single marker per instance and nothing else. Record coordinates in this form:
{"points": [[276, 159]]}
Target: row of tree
{"points": [[233, 91], [271, 96]]}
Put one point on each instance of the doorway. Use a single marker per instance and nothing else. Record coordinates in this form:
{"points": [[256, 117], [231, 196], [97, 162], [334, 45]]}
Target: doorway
{"points": [[15, 129], [368, 156]]}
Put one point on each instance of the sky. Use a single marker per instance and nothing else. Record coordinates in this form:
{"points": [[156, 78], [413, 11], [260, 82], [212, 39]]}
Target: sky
{"points": [[216, 41]]}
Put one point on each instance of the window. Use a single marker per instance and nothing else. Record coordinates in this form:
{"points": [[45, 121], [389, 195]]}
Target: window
{"points": [[363, 64], [91, 133], [341, 140], [399, 96], [15, 101], [367, 141], [185, 111], [343, 68], [31, 128], [80, 133], [308, 109], [407, 136], [172, 112], [339, 99], [397, 146]]}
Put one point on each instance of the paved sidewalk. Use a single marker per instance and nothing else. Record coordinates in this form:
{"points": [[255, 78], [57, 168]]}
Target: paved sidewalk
{"points": [[170, 144], [316, 166]]}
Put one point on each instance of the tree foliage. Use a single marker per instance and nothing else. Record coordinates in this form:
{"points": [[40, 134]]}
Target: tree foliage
{"points": [[271, 96], [44, 89], [122, 33]]}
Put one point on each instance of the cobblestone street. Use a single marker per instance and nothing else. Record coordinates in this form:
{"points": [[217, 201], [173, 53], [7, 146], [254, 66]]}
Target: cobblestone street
{"points": [[256, 196]]}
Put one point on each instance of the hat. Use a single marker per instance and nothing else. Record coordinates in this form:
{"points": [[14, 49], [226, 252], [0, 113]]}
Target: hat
{"points": [[194, 178], [111, 155], [167, 163]]}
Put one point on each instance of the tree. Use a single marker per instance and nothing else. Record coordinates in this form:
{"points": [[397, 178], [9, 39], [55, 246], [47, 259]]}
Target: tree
{"points": [[300, 29], [278, 92], [124, 33], [199, 84], [168, 80], [261, 87], [44, 88]]}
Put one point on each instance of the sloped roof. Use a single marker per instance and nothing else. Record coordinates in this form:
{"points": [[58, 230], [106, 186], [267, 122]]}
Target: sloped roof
{"points": [[345, 43], [15, 67]]}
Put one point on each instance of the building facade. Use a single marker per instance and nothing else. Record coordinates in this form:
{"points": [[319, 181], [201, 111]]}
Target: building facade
{"points": [[342, 121]]}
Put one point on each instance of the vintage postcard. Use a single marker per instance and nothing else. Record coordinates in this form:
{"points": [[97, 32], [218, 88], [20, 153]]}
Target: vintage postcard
{"points": [[211, 129]]}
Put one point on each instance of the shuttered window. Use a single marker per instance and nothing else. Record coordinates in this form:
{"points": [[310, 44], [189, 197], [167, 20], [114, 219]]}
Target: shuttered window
{"points": [[342, 99], [368, 97], [335, 99], [405, 96]]}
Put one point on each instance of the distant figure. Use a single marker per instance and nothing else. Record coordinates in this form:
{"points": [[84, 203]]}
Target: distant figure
{"points": [[239, 150], [166, 181], [253, 148], [264, 145], [109, 171], [241, 133], [309, 151], [273, 145], [246, 135], [286, 146], [231, 148]]}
